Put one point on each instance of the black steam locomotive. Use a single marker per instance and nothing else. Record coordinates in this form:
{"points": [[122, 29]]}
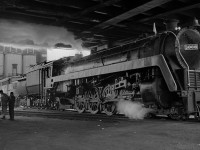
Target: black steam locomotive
{"points": [[161, 71]]}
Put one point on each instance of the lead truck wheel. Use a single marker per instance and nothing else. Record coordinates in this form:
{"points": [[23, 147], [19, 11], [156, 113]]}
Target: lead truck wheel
{"points": [[110, 108]]}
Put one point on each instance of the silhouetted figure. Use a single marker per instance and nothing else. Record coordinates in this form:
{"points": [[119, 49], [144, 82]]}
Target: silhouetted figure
{"points": [[11, 106], [4, 101]]}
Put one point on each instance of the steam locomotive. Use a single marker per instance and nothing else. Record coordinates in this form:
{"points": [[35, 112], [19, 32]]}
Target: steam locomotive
{"points": [[161, 71]]}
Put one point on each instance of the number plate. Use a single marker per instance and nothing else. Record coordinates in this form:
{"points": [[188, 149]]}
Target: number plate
{"points": [[191, 47]]}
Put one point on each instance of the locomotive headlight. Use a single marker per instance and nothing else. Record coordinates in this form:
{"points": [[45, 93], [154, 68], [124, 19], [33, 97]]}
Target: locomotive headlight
{"points": [[191, 47]]}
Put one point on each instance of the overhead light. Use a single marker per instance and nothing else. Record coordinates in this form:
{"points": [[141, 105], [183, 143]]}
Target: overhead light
{"points": [[117, 5], [72, 6], [76, 22], [99, 12], [98, 35], [95, 20]]}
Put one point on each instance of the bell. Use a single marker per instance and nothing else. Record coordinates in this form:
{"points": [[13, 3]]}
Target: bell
{"points": [[195, 22]]}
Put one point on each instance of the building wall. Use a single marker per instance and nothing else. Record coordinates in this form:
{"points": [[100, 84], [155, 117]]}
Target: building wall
{"points": [[10, 60], [22, 57], [28, 60], [1, 64]]}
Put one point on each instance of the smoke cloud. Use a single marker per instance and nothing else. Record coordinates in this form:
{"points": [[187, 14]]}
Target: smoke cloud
{"points": [[132, 110], [17, 32]]}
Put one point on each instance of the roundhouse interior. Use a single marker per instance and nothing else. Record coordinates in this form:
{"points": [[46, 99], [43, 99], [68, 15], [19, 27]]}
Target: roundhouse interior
{"points": [[144, 51]]}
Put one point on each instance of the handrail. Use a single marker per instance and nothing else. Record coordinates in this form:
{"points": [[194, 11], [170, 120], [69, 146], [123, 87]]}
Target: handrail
{"points": [[157, 60], [194, 71], [179, 47]]}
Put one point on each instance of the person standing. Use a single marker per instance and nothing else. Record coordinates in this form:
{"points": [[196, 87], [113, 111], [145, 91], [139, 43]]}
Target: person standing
{"points": [[11, 105], [4, 101]]}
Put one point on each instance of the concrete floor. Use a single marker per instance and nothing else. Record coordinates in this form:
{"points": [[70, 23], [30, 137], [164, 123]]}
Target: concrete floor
{"points": [[34, 133]]}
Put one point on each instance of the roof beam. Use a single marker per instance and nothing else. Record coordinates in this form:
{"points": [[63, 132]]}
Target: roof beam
{"points": [[133, 12], [171, 12], [37, 10], [28, 14], [184, 1], [188, 14], [96, 7], [138, 27], [88, 10], [58, 3]]}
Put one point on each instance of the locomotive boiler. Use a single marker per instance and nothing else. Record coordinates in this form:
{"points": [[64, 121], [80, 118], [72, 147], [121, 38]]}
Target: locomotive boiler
{"points": [[161, 71]]}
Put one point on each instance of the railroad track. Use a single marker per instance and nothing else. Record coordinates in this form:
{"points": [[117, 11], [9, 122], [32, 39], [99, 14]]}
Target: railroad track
{"points": [[70, 115], [73, 115]]}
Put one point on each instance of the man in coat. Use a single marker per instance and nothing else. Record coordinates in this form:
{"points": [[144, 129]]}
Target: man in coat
{"points": [[4, 101], [11, 105]]}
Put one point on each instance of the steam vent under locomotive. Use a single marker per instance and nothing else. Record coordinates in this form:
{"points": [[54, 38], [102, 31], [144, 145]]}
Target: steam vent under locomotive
{"points": [[161, 71]]}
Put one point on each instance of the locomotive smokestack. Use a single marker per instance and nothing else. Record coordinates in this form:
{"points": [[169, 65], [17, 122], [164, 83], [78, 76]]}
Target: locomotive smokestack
{"points": [[171, 24]]}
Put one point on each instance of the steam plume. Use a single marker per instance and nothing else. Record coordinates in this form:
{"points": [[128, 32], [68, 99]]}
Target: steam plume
{"points": [[133, 110], [17, 32]]}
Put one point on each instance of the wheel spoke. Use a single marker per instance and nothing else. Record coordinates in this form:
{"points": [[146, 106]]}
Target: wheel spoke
{"points": [[110, 109], [94, 107], [80, 105], [94, 103], [109, 95]]}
